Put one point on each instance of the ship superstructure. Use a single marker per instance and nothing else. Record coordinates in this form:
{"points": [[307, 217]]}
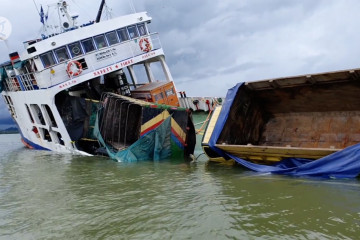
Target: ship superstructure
{"points": [[51, 86]]}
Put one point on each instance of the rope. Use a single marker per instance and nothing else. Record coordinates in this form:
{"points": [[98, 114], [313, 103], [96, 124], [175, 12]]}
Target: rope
{"points": [[199, 156], [204, 123], [194, 159], [199, 123]]}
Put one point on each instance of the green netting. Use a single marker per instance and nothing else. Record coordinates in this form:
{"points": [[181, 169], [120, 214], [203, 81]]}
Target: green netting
{"points": [[92, 119], [156, 145]]}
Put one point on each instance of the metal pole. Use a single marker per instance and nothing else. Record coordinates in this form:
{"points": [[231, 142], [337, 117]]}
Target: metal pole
{"points": [[37, 9], [100, 11]]}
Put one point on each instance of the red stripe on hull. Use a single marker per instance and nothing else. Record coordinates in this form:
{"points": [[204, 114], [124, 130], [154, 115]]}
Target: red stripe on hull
{"points": [[177, 136], [151, 128], [26, 144]]}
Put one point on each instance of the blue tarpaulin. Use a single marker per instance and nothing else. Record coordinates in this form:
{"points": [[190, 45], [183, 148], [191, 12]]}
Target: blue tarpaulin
{"points": [[341, 164]]}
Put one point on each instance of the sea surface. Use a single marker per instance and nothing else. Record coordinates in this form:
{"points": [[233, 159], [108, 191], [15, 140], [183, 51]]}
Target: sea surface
{"points": [[45, 195]]}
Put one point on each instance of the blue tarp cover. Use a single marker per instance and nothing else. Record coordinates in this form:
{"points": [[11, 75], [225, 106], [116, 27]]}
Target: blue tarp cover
{"points": [[341, 164]]}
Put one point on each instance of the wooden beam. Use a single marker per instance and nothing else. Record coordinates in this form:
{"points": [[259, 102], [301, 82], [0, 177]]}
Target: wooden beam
{"points": [[274, 84], [268, 153], [354, 75], [310, 79], [249, 86]]}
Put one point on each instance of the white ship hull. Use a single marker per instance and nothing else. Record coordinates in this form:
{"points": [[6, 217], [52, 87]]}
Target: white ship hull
{"points": [[51, 85]]}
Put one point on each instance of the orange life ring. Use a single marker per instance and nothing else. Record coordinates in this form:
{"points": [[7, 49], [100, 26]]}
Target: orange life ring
{"points": [[147, 47], [70, 71]]}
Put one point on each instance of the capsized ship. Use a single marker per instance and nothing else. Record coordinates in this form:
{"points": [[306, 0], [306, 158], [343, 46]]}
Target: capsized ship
{"points": [[301, 125], [81, 78]]}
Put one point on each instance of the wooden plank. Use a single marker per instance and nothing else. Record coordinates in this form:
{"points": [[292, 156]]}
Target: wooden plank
{"points": [[292, 81], [312, 130], [270, 153], [211, 124]]}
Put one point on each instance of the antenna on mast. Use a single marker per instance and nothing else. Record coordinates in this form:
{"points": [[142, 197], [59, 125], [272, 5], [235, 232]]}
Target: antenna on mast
{"points": [[37, 9], [132, 6]]}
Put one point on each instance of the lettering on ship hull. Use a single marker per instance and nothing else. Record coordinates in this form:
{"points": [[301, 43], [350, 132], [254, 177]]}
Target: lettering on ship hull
{"points": [[148, 55], [67, 84], [121, 64], [108, 69], [105, 54]]}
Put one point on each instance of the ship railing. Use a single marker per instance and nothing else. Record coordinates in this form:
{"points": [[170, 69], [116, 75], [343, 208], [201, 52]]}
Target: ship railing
{"points": [[135, 49], [23, 82], [9, 87], [155, 39], [124, 51]]}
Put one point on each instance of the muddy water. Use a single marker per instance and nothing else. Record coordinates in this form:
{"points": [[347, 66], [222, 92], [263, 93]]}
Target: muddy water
{"points": [[45, 195]]}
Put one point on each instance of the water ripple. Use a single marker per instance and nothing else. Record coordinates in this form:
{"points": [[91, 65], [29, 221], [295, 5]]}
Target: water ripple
{"points": [[44, 195]]}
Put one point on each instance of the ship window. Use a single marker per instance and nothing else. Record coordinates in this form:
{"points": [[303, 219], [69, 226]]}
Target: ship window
{"points": [[170, 92], [100, 41], [37, 114], [10, 101], [45, 134], [31, 50], [60, 139], [47, 59], [50, 115], [83, 63], [5, 99], [112, 38], [159, 96], [28, 110], [35, 131], [142, 29], [11, 106], [75, 49], [133, 31], [123, 35], [33, 66], [62, 54], [88, 45]]}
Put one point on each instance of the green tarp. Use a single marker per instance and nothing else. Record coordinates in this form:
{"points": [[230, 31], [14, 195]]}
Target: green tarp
{"points": [[156, 145]]}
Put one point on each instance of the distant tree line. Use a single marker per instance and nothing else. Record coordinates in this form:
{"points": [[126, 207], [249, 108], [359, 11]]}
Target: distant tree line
{"points": [[9, 130]]}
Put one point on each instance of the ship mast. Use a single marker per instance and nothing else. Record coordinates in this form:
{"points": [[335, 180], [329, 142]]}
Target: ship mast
{"points": [[63, 7], [100, 11]]}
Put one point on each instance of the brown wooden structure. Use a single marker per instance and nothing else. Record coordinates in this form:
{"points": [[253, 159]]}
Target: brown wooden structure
{"points": [[157, 92], [307, 116]]}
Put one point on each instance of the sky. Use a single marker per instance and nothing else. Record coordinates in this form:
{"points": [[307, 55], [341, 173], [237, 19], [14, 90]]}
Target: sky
{"points": [[212, 45]]}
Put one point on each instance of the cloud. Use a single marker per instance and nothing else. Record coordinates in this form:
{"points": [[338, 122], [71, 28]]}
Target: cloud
{"points": [[212, 45], [6, 121], [220, 44]]}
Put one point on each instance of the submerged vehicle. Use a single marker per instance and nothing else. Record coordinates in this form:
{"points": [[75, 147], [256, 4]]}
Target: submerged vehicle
{"points": [[79, 78], [302, 125]]}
